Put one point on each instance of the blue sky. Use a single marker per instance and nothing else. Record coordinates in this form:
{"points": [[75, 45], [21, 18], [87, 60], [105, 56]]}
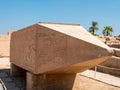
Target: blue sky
{"points": [[17, 14]]}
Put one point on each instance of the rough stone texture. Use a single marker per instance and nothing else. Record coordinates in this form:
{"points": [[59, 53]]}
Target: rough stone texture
{"points": [[113, 41], [111, 66], [53, 81], [113, 62], [56, 48], [117, 52], [53, 53]]}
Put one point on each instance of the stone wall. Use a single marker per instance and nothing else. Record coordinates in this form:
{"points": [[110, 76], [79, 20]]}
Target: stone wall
{"points": [[111, 41], [5, 44], [112, 65]]}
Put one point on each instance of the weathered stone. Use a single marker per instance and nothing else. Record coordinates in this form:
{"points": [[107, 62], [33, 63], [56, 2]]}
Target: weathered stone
{"points": [[117, 52], [113, 62], [53, 53], [56, 48], [110, 66], [53, 81]]}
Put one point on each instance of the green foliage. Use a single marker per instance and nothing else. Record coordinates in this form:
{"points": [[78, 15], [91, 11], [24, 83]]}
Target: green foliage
{"points": [[107, 30], [93, 28]]}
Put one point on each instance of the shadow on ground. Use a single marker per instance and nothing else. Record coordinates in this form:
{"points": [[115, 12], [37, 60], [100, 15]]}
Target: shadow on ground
{"points": [[12, 82]]}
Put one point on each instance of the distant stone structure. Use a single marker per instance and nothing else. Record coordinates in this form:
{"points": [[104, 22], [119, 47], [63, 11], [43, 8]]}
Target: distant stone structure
{"points": [[51, 54], [5, 44], [112, 65], [113, 41]]}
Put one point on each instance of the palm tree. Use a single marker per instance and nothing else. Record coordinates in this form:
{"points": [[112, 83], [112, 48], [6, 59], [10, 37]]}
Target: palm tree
{"points": [[93, 27], [107, 30]]}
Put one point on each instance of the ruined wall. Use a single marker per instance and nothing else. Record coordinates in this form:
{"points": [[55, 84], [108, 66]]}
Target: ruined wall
{"points": [[112, 65], [111, 41], [5, 44]]}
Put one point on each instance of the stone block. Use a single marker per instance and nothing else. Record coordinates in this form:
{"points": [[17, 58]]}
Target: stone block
{"points": [[56, 48], [117, 52], [53, 81]]}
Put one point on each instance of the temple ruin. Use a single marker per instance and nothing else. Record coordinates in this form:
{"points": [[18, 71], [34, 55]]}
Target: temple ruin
{"points": [[51, 54]]}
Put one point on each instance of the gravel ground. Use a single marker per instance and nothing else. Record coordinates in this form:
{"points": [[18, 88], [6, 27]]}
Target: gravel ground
{"points": [[11, 83]]}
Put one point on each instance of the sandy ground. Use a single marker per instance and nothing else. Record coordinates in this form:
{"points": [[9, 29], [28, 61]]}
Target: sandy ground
{"points": [[4, 63]]}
